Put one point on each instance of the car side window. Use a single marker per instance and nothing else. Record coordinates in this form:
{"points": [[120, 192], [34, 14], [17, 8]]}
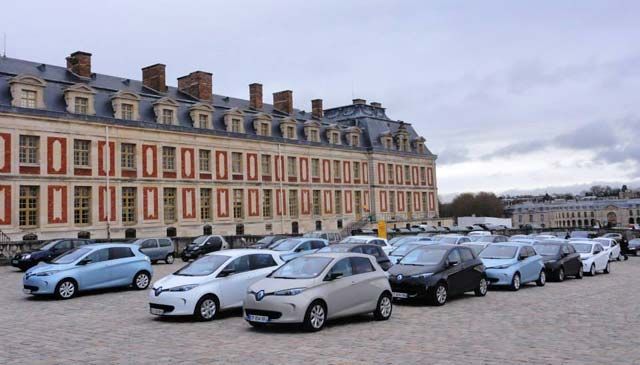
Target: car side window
{"points": [[464, 240], [370, 250], [571, 249], [79, 243], [241, 264], [466, 254], [317, 245], [99, 255], [565, 250], [454, 256], [361, 265], [63, 245], [148, 244], [306, 246], [165, 242], [260, 261], [119, 253], [343, 266], [598, 248], [357, 249]]}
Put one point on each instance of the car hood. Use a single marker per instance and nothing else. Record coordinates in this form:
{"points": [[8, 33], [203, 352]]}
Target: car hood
{"points": [[269, 285], [171, 281], [549, 258], [408, 270], [490, 263], [35, 253], [584, 256], [42, 267]]}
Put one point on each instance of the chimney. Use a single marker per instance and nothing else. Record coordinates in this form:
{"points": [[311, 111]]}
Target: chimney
{"points": [[197, 84], [316, 108], [255, 96], [376, 104], [283, 101], [359, 102], [153, 77], [80, 63]]}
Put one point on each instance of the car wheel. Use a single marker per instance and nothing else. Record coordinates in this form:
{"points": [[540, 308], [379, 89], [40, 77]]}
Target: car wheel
{"points": [[560, 274], [169, 259], [515, 282], [607, 269], [439, 294], [481, 290], [66, 289], [142, 280], [542, 279], [184, 259], [384, 308], [592, 271], [153, 262], [206, 308], [316, 317], [580, 274]]}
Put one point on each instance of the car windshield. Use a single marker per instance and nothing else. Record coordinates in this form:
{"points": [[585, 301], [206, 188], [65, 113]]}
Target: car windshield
{"points": [[71, 256], [286, 245], [475, 238], [354, 240], [265, 240], [499, 252], [404, 249], [334, 248], [604, 243], [49, 245], [475, 248], [448, 240], [200, 240], [582, 247], [203, 266], [424, 256], [313, 235], [546, 249], [302, 268]]}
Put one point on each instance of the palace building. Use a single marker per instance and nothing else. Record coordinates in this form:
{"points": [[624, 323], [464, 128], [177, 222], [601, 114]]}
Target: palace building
{"points": [[91, 154]]}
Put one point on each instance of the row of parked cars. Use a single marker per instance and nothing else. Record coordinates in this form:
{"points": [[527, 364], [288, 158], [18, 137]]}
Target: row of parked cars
{"points": [[307, 280]]}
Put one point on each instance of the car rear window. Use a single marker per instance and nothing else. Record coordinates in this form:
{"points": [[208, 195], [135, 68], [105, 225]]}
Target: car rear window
{"points": [[119, 253]]}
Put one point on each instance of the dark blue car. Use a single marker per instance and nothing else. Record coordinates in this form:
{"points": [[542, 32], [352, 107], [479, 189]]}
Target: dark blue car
{"points": [[50, 250]]}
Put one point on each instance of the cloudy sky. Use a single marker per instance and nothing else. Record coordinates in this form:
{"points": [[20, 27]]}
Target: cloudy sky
{"points": [[511, 95]]}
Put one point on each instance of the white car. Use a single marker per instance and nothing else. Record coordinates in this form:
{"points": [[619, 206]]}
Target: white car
{"points": [[594, 257], [610, 245], [214, 282], [479, 233], [373, 240]]}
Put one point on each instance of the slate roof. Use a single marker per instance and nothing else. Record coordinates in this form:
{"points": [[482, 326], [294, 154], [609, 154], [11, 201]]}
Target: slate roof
{"points": [[372, 120]]}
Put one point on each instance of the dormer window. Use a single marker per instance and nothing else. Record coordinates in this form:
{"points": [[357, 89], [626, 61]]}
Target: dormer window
{"points": [[166, 110], [81, 105], [201, 115], [167, 116], [203, 121], [355, 140], [314, 135], [125, 105], [353, 136], [79, 98], [262, 124], [264, 129], [312, 130], [291, 132], [126, 111], [236, 125], [333, 134], [288, 128], [28, 99], [234, 120], [27, 91], [419, 145]]}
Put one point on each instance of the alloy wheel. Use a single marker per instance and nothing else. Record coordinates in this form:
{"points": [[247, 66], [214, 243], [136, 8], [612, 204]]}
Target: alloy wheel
{"points": [[169, 259], [441, 294], [317, 316], [385, 306], [592, 271], [561, 274], [142, 281], [483, 286], [67, 289], [516, 282], [208, 308]]}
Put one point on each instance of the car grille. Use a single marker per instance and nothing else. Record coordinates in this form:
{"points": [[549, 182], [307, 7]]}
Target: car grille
{"points": [[258, 312], [165, 308], [31, 287], [493, 280]]}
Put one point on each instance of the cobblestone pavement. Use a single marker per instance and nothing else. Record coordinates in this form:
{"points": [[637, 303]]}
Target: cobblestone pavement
{"points": [[595, 320]]}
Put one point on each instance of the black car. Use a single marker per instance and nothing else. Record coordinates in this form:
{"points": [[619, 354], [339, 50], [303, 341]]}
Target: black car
{"points": [[267, 242], [436, 272], [202, 246], [560, 259], [48, 251], [365, 248]]}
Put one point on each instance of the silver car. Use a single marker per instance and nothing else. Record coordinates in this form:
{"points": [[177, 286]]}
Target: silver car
{"points": [[315, 288], [158, 249]]}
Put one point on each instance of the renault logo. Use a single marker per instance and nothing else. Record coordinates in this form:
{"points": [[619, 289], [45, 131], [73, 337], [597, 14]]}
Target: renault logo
{"points": [[157, 291], [399, 277], [260, 295]]}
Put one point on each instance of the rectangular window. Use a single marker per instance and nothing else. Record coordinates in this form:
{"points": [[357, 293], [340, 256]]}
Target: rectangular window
{"points": [[337, 171], [169, 204], [392, 201], [338, 201], [316, 202], [315, 167], [82, 205], [205, 160], [28, 206], [28, 98], [128, 156], [81, 105], [265, 129], [355, 140], [291, 132], [265, 163], [236, 163], [266, 204], [167, 116], [293, 203], [390, 173], [126, 111], [238, 197], [314, 136], [29, 149], [203, 121], [356, 170], [425, 207], [236, 125], [205, 204], [169, 158], [292, 170], [423, 175], [81, 152], [407, 173], [129, 205]]}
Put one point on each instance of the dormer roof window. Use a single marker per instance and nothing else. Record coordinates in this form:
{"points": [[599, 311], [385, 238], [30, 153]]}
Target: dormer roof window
{"points": [[79, 99], [166, 110], [262, 124], [312, 130], [27, 91], [126, 105], [201, 115], [288, 128], [234, 120]]}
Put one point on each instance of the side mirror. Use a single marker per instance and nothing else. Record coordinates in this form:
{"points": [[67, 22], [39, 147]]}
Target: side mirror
{"points": [[520, 258], [453, 263], [84, 262], [333, 276], [299, 249], [226, 272]]}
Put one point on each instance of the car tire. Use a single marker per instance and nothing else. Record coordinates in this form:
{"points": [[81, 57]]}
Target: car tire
{"points": [[592, 271], [66, 289], [384, 308], [515, 282], [316, 317], [141, 281], [153, 262], [207, 308], [169, 259], [607, 269], [560, 274], [580, 274], [184, 259], [619, 258], [482, 288], [438, 294], [542, 279]]}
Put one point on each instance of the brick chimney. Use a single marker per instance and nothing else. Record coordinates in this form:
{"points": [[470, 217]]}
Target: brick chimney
{"points": [[154, 78], [198, 84], [359, 102], [80, 63], [316, 108], [255, 96], [283, 101]]}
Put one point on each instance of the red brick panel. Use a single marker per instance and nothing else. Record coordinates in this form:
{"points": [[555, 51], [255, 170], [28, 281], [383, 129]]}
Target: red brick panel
{"points": [[399, 175], [305, 202], [102, 203], [348, 202], [5, 205], [382, 174], [414, 175], [150, 201], [326, 171], [56, 156], [149, 160], [254, 202], [346, 171], [432, 201], [416, 202], [5, 153], [383, 201], [281, 202], [188, 159], [222, 169], [252, 166], [222, 197], [365, 173], [80, 171], [102, 163], [304, 169], [188, 203], [57, 204], [328, 202], [279, 166]]}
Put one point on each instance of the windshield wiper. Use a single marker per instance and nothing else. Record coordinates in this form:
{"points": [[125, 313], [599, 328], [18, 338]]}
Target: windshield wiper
{"points": [[412, 264]]}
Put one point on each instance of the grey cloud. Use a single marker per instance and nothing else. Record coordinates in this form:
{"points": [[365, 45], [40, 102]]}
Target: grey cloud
{"points": [[517, 149], [451, 155]]}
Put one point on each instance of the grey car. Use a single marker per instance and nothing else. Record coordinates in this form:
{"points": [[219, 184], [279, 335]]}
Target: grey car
{"points": [[158, 249], [292, 248], [634, 246]]}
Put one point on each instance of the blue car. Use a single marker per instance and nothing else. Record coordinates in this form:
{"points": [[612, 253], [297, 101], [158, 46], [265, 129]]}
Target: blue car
{"points": [[513, 264], [90, 267]]}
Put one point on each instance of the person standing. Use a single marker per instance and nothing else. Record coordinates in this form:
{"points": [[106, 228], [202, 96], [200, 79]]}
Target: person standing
{"points": [[624, 247]]}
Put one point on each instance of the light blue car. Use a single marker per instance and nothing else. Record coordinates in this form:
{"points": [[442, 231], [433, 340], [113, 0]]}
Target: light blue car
{"points": [[513, 264], [90, 267], [292, 248]]}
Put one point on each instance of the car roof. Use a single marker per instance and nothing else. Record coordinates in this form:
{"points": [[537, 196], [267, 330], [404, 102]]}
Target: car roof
{"points": [[512, 243], [338, 255], [111, 244], [364, 237], [236, 252]]}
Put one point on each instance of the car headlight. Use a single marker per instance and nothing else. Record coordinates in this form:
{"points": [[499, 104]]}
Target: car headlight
{"points": [[26, 257], [293, 291], [425, 275], [182, 288], [501, 266], [46, 273]]}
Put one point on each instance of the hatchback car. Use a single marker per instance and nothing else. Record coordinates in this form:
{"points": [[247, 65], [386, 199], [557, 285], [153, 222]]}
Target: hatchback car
{"points": [[47, 252], [371, 240], [157, 249], [214, 282], [315, 288], [513, 264], [368, 249], [611, 246], [489, 238], [594, 257], [204, 245], [560, 259], [292, 248], [267, 242], [451, 239], [90, 267], [437, 272], [634, 246], [399, 252]]}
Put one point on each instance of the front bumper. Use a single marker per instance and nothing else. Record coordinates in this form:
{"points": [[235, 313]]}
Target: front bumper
{"points": [[23, 264], [190, 254], [412, 287], [39, 284], [279, 309], [171, 304], [499, 276]]}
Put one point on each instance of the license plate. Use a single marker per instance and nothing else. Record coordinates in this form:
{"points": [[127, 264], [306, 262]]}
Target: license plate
{"points": [[26, 291], [156, 311], [14, 262], [400, 295], [260, 319]]}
